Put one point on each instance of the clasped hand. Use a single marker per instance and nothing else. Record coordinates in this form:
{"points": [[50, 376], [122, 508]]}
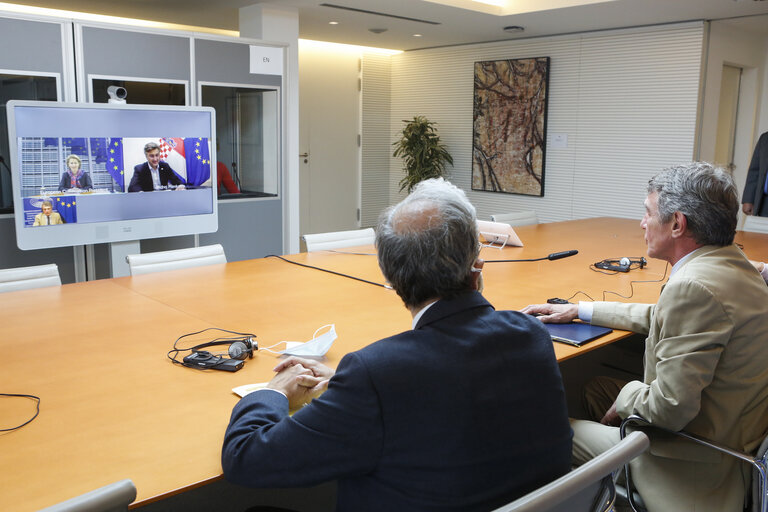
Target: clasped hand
{"points": [[300, 380]]}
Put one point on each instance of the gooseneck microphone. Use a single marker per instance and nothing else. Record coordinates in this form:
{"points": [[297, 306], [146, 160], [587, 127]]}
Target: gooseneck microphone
{"points": [[553, 256], [563, 254]]}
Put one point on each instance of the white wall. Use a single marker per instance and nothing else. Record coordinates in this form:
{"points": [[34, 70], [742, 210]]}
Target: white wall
{"points": [[627, 100]]}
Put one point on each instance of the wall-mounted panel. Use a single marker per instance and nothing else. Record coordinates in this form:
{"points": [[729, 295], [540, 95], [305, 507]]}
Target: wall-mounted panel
{"points": [[31, 45], [228, 62], [124, 53]]}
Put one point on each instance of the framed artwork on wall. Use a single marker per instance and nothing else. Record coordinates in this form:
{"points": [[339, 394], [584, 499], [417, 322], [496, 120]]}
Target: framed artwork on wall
{"points": [[509, 125]]}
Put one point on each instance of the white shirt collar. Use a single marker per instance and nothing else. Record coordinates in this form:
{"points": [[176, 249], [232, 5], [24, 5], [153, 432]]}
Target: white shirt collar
{"points": [[421, 312], [680, 263]]}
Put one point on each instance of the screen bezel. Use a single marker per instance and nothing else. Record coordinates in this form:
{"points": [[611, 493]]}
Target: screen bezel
{"points": [[114, 230]]}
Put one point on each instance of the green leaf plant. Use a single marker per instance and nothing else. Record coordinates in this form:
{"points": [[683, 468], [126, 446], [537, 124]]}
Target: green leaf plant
{"points": [[423, 155]]}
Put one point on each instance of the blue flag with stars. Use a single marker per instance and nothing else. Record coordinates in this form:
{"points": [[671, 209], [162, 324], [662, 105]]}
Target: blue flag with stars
{"points": [[75, 146], [198, 160], [113, 155], [67, 208]]}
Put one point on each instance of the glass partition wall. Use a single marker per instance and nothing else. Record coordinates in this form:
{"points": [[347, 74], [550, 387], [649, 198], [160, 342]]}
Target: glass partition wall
{"points": [[247, 131], [18, 87]]}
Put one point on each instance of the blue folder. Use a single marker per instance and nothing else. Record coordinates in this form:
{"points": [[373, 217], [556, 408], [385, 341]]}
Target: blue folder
{"points": [[576, 333]]}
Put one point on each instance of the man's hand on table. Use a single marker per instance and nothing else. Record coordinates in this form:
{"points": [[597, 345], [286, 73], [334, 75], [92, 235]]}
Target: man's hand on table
{"points": [[553, 313]]}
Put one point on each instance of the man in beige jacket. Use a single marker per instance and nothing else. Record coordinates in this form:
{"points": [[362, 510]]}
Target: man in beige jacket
{"points": [[706, 364]]}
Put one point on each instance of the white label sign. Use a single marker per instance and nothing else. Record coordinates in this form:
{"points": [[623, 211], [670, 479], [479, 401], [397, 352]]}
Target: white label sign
{"points": [[559, 141], [266, 60]]}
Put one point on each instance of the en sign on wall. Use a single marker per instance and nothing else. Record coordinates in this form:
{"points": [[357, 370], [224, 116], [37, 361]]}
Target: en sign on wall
{"points": [[266, 60]]}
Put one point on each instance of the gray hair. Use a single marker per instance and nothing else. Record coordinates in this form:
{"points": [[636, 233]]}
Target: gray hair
{"points": [[705, 194], [151, 146], [428, 242]]}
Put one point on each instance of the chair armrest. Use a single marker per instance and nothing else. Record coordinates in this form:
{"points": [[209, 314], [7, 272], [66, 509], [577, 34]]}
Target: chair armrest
{"points": [[636, 419]]}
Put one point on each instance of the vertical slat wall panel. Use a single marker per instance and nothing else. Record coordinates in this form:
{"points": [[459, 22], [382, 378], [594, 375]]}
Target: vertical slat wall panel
{"points": [[627, 100], [376, 137]]}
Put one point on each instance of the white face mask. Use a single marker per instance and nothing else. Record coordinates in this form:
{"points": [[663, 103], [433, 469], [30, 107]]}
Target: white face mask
{"points": [[318, 346]]}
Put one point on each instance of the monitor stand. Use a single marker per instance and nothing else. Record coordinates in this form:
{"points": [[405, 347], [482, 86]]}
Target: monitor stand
{"points": [[117, 256]]}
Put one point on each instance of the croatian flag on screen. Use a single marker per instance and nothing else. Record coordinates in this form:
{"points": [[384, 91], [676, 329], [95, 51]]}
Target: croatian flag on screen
{"points": [[189, 158]]}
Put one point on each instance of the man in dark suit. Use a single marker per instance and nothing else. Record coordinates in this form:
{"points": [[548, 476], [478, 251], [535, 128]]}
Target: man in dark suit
{"points": [[154, 173], [756, 188], [466, 411]]}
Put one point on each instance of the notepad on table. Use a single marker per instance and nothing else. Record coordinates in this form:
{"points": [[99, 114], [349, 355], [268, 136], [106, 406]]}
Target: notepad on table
{"points": [[576, 333], [241, 391]]}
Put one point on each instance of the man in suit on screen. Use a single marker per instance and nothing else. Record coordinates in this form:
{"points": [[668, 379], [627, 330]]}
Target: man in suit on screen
{"points": [[154, 174], [47, 217], [464, 412]]}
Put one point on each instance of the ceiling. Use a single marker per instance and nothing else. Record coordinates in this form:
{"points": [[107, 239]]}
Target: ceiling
{"points": [[438, 24]]}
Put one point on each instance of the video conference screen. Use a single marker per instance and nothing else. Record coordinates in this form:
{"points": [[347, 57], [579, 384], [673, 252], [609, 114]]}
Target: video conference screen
{"points": [[100, 173]]}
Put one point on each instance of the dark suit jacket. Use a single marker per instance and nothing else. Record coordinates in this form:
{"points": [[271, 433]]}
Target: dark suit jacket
{"points": [[754, 188], [466, 412], [66, 182], [142, 177]]}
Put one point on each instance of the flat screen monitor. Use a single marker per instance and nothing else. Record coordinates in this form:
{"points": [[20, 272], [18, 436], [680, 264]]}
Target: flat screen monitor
{"points": [[95, 173]]}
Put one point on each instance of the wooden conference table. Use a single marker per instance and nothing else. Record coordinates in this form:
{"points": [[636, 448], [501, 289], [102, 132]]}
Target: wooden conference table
{"points": [[114, 407]]}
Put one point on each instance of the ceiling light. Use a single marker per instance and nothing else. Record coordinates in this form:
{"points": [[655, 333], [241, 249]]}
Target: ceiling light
{"points": [[416, 35], [333, 22], [513, 29], [497, 3]]}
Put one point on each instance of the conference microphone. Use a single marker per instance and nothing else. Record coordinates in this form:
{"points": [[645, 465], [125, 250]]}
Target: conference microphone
{"points": [[563, 254], [553, 256]]}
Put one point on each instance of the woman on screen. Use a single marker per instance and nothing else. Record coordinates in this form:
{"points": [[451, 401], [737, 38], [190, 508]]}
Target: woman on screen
{"points": [[75, 177]]}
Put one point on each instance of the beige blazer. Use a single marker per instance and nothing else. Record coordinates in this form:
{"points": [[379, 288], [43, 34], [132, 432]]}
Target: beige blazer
{"points": [[706, 372], [41, 221]]}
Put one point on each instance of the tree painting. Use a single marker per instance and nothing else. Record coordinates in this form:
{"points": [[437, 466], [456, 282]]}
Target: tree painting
{"points": [[510, 115]]}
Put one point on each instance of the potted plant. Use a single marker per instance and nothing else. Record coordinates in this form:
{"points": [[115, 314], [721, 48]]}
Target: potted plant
{"points": [[424, 156]]}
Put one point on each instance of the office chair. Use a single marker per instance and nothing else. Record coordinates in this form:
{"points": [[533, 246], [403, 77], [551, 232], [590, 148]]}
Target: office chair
{"points": [[756, 224], [338, 239], [111, 498], [523, 218], [25, 278], [759, 462], [588, 488], [174, 260]]}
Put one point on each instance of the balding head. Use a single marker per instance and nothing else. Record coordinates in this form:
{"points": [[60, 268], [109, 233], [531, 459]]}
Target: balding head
{"points": [[416, 216], [428, 242]]}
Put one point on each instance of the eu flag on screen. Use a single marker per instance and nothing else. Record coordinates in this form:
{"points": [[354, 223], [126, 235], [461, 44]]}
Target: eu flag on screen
{"points": [[67, 208], [198, 160], [99, 149], [50, 141], [76, 145], [114, 162]]}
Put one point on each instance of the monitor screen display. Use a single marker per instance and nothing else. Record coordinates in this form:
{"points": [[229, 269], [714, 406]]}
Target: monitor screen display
{"points": [[96, 173]]}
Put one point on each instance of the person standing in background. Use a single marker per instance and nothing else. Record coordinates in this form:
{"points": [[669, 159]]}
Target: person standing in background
{"points": [[756, 188]]}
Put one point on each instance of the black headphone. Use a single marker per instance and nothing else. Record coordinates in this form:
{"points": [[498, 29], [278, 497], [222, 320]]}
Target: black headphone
{"points": [[240, 349], [622, 264]]}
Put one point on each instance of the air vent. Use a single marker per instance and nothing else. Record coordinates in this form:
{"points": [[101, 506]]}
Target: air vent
{"points": [[364, 11]]}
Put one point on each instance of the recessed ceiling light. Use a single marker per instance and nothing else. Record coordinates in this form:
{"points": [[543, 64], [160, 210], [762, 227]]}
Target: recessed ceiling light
{"points": [[513, 29], [416, 35], [333, 22]]}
